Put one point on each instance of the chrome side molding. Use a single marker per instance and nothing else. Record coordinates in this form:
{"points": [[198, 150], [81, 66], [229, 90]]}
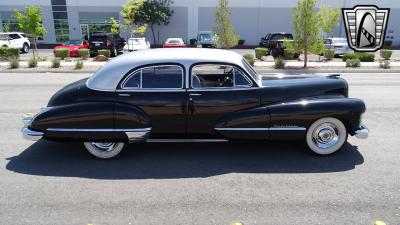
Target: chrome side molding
{"points": [[260, 129]]}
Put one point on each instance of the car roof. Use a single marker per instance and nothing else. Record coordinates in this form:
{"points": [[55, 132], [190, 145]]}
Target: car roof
{"points": [[110, 74]]}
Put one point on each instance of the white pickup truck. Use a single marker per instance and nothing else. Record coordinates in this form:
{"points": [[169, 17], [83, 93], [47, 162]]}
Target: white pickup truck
{"points": [[15, 40]]}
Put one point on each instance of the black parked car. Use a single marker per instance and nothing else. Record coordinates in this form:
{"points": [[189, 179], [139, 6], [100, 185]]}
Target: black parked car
{"points": [[274, 42], [110, 41], [164, 94]]}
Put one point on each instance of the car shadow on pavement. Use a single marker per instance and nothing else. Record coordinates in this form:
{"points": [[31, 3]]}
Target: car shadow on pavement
{"points": [[180, 160]]}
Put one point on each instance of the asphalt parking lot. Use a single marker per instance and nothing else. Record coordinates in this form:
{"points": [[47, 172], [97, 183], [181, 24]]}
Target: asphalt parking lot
{"points": [[203, 183]]}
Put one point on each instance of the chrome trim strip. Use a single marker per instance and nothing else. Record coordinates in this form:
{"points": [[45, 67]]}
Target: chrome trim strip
{"points": [[31, 135], [262, 129], [98, 130], [287, 128], [184, 140]]}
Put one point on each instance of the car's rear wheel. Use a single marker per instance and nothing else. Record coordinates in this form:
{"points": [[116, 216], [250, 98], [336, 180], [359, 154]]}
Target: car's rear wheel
{"points": [[104, 150], [326, 136], [25, 48]]}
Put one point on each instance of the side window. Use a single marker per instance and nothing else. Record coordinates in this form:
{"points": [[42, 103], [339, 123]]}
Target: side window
{"points": [[218, 76], [240, 79], [168, 76], [14, 36]]}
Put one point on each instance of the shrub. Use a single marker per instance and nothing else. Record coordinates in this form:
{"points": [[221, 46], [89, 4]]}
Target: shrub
{"points": [[260, 52], [351, 55], [42, 58], [6, 53], [289, 53], [385, 64], [84, 53], [79, 65], [13, 62], [329, 54], [279, 63], [104, 52], [353, 63], [32, 62], [386, 54], [68, 59], [55, 63], [249, 58], [365, 56], [62, 53]]}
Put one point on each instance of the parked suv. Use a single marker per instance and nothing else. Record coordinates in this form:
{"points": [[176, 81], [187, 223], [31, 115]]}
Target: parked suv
{"points": [[15, 40], [110, 41], [274, 42], [205, 39]]}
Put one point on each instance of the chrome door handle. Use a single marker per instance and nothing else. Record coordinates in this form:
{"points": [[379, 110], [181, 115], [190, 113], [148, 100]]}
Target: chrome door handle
{"points": [[124, 95], [194, 94]]}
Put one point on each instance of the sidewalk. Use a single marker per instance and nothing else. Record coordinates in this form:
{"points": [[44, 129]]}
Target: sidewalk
{"points": [[291, 66]]}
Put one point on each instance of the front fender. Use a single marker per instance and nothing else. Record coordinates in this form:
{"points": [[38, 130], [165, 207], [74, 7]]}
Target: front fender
{"points": [[302, 113]]}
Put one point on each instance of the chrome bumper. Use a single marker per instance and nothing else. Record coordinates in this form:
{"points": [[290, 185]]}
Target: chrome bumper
{"points": [[31, 135], [362, 132], [27, 133]]}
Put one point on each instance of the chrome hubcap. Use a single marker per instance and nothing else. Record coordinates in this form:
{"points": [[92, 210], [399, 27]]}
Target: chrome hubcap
{"points": [[104, 146], [326, 135]]}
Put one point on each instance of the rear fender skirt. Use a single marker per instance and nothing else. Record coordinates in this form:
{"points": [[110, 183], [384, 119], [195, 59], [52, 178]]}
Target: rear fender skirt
{"points": [[248, 124], [304, 112]]}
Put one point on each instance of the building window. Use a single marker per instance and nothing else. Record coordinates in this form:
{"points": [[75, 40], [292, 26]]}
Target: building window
{"points": [[97, 25], [60, 17]]}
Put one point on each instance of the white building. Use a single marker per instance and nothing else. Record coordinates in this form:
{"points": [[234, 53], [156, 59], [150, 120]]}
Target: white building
{"points": [[73, 19]]}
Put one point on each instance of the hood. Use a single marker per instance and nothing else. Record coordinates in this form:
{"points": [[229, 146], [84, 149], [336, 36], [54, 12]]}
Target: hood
{"points": [[281, 88]]}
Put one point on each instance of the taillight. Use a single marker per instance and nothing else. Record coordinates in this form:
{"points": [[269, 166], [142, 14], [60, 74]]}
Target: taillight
{"points": [[338, 46], [109, 43]]}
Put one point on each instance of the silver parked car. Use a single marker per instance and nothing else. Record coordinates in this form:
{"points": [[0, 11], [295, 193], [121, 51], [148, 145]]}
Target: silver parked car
{"points": [[339, 45]]}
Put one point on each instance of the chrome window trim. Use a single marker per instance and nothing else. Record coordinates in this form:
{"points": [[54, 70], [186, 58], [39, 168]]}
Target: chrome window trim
{"points": [[222, 89], [122, 86], [245, 77]]}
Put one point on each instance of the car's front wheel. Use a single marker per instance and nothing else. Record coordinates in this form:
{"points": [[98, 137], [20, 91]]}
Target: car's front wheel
{"points": [[326, 136], [104, 150]]}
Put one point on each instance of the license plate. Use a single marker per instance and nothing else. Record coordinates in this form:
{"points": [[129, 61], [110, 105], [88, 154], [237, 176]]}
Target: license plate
{"points": [[96, 44]]}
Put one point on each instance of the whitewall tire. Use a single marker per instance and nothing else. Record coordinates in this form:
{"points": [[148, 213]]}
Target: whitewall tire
{"points": [[326, 136], [104, 150]]}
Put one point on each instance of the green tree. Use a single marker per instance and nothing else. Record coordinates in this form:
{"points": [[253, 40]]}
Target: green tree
{"points": [[306, 27], [6, 27], [129, 15], [223, 28], [115, 26], [154, 12], [30, 21], [328, 18]]}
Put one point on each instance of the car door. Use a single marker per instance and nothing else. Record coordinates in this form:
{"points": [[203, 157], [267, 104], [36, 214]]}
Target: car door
{"points": [[15, 41], [217, 90], [157, 90]]}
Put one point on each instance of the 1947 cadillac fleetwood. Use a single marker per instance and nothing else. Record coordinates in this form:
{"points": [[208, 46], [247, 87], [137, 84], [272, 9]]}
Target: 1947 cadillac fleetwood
{"points": [[192, 94]]}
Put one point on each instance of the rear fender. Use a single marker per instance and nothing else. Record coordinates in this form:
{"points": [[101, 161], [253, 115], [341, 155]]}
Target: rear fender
{"points": [[302, 113]]}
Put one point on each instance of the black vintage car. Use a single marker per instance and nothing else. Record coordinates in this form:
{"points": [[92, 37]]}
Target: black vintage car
{"points": [[164, 94]]}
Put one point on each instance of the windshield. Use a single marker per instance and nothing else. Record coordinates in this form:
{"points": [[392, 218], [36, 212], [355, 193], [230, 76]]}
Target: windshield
{"points": [[251, 71], [100, 38], [72, 43], [340, 41], [174, 41], [205, 37], [137, 41]]}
